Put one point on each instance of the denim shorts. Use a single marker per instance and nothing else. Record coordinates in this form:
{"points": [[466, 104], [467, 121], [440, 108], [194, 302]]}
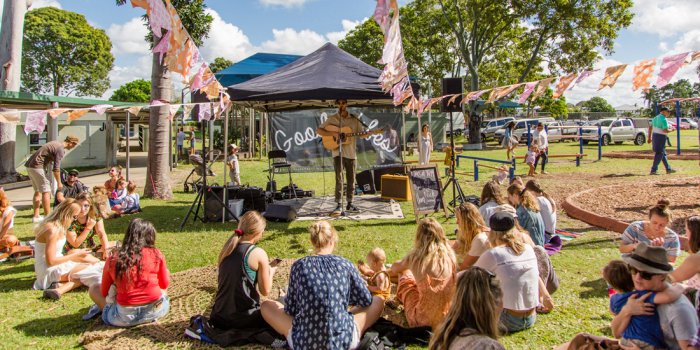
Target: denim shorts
{"points": [[127, 316], [516, 323]]}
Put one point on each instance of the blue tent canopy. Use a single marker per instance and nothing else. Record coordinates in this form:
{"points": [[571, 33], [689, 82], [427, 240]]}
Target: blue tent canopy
{"points": [[254, 66]]}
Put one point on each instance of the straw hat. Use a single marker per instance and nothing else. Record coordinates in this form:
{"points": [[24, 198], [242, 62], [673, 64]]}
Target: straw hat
{"points": [[649, 259]]}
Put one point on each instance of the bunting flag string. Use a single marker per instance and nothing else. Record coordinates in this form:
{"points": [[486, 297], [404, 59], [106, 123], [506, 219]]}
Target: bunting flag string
{"points": [[611, 76], [394, 76], [527, 91], [585, 74], [542, 87], [563, 84]]}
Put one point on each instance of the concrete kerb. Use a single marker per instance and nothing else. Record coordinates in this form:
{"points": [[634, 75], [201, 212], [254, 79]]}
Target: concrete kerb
{"points": [[23, 184]]}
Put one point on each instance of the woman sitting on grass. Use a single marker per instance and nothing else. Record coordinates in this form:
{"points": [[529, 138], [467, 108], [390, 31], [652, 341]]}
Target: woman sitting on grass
{"points": [[690, 268], [515, 266], [86, 227], [115, 174], [426, 276], [7, 222], [54, 271], [653, 232], [548, 209], [472, 322], [140, 275], [131, 202], [528, 211], [491, 196], [321, 287], [472, 235]]}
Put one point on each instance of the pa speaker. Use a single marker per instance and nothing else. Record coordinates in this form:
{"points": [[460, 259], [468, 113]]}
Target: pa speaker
{"points": [[213, 206], [279, 212], [451, 86]]}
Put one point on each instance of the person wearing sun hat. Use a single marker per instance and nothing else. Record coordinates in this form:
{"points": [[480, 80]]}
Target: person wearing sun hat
{"points": [[232, 162], [515, 266], [649, 267]]}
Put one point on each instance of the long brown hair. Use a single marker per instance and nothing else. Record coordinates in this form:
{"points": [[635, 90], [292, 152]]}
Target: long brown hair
{"points": [[470, 224], [527, 200], [475, 306], [661, 209], [491, 191], [85, 196], [693, 223], [249, 225], [430, 249], [139, 235], [534, 186]]}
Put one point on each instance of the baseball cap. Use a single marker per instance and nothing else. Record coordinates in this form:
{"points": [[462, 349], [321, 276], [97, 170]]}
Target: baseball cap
{"points": [[502, 221], [73, 172]]}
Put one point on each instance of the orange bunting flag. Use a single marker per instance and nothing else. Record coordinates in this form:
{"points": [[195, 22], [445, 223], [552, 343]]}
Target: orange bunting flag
{"points": [[494, 94], [695, 56], [76, 114], [134, 110], [611, 76], [140, 3], [642, 73], [55, 112], [507, 90], [542, 87], [563, 84]]}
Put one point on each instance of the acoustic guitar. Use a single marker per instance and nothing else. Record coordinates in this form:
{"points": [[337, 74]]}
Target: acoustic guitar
{"points": [[332, 143]]}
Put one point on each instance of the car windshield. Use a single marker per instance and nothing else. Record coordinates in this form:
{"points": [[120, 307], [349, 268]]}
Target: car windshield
{"points": [[605, 123], [484, 123]]}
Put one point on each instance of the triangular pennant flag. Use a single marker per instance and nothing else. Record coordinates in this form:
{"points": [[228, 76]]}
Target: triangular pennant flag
{"points": [[36, 121], [542, 87], [695, 56], [529, 88], [101, 109], [585, 74], [423, 104], [507, 90], [10, 117], [204, 111], [452, 99], [77, 113], [172, 110], [476, 94], [611, 76], [432, 101], [55, 112], [669, 66], [642, 72], [186, 112], [563, 84], [494, 94], [134, 110]]}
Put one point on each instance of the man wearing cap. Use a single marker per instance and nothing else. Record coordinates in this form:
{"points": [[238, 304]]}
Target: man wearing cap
{"points": [[678, 320], [71, 188], [658, 134], [232, 162], [51, 152]]}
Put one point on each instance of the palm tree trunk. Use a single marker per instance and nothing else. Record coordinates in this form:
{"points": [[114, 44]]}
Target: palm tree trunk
{"points": [[11, 32], [158, 171]]}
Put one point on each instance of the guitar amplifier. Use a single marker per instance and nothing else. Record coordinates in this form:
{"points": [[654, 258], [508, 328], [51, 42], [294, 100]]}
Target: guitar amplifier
{"points": [[396, 187], [392, 170]]}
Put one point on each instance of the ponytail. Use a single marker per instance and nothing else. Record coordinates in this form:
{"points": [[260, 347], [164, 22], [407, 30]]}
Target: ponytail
{"points": [[534, 186], [527, 200], [250, 225]]}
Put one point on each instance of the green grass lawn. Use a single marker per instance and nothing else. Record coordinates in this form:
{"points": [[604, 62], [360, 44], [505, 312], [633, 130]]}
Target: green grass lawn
{"points": [[28, 321]]}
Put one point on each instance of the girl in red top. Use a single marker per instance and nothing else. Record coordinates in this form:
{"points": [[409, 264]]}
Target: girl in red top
{"points": [[140, 274]]}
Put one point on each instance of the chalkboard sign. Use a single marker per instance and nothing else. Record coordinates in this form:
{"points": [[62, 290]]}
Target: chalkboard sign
{"points": [[426, 190]]}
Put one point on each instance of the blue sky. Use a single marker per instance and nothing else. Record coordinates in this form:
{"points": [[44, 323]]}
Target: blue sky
{"points": [[243, 27]]}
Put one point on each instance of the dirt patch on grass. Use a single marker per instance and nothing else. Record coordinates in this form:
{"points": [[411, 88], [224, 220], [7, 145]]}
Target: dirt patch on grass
{"points": [[688, 154]]}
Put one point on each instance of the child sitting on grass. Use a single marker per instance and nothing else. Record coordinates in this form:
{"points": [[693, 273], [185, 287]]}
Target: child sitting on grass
{"points": [[530, 159], [378, 281], [130, 204], [118, 194], [644, 330]]}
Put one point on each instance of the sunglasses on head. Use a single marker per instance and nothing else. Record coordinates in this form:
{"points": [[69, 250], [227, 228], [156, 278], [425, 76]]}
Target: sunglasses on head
{"points": [[645, 275]]}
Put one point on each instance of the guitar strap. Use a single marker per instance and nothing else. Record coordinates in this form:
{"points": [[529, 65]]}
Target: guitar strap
{"points": [[360, 120]]}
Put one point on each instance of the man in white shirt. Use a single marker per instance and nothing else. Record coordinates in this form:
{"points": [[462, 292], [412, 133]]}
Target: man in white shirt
{"points": [[180, 140], [542, 142]]}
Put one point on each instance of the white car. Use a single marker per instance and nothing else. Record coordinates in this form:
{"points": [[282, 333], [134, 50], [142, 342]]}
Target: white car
{"points": [[619, 130], [489, 127], [521, 128]]}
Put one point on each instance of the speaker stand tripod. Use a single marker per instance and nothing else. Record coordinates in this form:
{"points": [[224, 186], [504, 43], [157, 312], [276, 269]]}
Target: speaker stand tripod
{"points": [[457, 193]]}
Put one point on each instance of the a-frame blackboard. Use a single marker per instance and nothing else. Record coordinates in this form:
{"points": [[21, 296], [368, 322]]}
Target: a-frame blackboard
{"points": [[426, 190]]}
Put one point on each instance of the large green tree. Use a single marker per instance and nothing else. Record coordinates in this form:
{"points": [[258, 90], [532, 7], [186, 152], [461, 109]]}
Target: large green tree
{"points": [[556, 108], [197, 23], [64, 55], [220, 64], [597, 104], [138, 90], [566, 34]]}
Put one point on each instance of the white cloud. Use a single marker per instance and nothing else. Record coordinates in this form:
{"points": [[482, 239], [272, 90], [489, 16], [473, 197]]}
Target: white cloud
{"points": [[120, 75], [689, 41], [45, 3], [665, 18], [129, 38], [225, 40], [663, 46], [291, 41], [348, 25], [283, 3]]}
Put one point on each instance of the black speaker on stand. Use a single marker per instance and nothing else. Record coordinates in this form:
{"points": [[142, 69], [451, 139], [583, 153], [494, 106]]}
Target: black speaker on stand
{"points": [[451, 86]]}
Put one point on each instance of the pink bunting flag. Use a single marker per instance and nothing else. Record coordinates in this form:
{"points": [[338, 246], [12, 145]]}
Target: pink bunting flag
{"points": [[529, 88], [507, 90], [433, 101], [101, 109], [204, 111], [158, 17], [381, 14], [669, 67], [36, 121], [10, 117], [452, 99], [476, 94], [563, 84], [611, 76], [423, 104], [585, 74], [695, 56], [172, 110], [163, 46]]}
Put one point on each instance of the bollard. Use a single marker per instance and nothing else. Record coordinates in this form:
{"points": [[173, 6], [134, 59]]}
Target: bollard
{"points": [[511, 172], [580, 147], [528, 136], [476, 170], [600, 143], [678, 128]]}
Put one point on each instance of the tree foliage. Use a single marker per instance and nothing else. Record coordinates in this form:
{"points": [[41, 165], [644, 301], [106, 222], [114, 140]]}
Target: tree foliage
{"points": [[597, 104], [138, 90], [62, 54], [220, 64], [556, 108]]}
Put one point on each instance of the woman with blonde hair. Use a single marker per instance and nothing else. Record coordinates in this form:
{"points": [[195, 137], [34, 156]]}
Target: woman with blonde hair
{"points": [[528, 212], [426, 276], [321, 288], [473, 319], [472, 235], [515, 265], [85, 228], [54, 270]]}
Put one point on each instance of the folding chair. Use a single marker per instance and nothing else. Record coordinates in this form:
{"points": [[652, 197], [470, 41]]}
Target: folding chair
{"points": [[277, 159]]}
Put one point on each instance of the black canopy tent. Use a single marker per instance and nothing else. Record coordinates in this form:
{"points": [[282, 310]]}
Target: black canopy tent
{"points": [[314, 81]]}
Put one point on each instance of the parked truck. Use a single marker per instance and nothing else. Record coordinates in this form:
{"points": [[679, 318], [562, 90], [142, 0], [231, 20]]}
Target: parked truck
{"points": [[619, 130]]}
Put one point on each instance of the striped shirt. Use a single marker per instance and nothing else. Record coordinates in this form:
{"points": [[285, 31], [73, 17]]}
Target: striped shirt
{"points": [[635, 234]]}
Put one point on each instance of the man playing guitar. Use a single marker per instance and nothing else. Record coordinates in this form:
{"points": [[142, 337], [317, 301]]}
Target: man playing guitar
{"points": [[331, 127]]}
